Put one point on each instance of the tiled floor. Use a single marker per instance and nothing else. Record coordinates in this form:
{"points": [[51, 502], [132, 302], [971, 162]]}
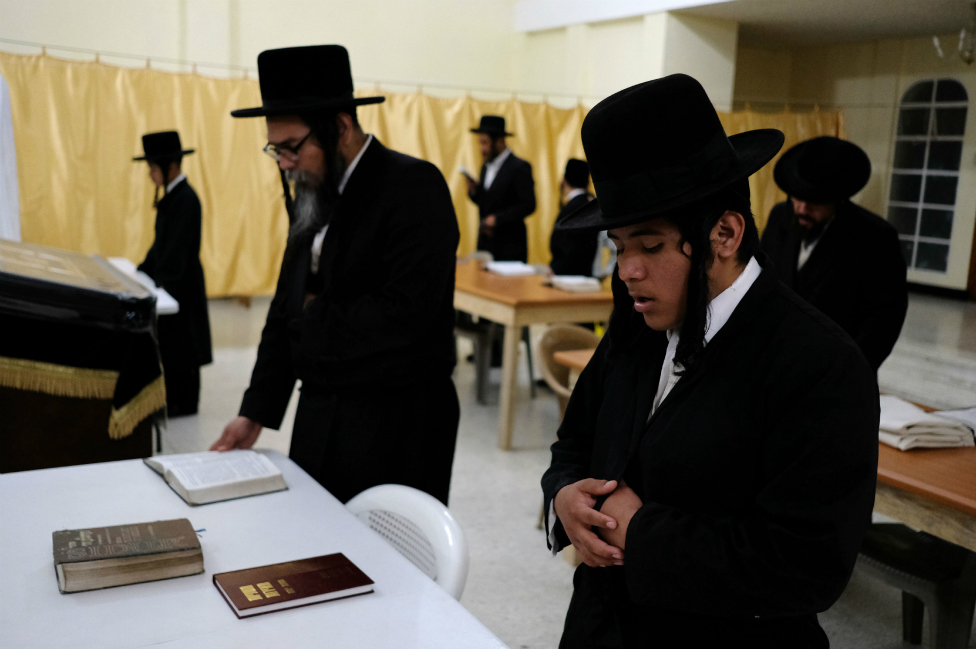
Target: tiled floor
{"points": [[514, 587]]}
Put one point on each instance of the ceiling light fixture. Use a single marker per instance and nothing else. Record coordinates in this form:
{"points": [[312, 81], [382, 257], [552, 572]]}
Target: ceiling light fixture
{"points": [[967, 41]]}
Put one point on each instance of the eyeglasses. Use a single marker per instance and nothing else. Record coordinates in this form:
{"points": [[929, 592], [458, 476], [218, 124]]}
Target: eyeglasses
{"points": [[276, 151]]}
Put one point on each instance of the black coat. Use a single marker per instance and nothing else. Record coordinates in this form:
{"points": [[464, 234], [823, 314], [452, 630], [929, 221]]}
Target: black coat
{"points": [[573, 251], [510, 198], [173, 262], [855, 275], [374, 349], [757, 474]]}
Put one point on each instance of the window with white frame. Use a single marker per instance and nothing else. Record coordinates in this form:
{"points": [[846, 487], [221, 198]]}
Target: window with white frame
{"points": [[928, 152]]}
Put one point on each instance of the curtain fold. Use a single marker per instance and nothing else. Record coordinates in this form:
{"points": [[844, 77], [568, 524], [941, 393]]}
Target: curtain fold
{"points": [[77, 126]]}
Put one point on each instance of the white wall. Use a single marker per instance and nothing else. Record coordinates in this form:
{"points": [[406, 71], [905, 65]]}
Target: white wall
{"points": [[462, 43]]}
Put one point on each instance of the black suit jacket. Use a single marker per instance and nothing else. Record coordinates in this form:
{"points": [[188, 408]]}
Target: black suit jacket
{"points": [[757, 474], [573, 251], [510, 198], [374, 349], [856, 275], [173, 262]]}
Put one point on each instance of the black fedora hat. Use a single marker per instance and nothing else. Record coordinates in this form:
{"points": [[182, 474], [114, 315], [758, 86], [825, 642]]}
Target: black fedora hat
{"points": [[163, 145], [493, 125], [658, 147], [823, 170], [299, 79], [577, 173]]}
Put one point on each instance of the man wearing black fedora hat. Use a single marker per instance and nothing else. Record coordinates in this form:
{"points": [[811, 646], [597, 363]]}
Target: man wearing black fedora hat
{"points": [[716, 465], [573, 251], [838, 256], [363, 313], [173, 262], [504, 193]]}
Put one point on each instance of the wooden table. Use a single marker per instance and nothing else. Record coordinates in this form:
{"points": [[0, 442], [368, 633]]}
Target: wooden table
{"points": [[407, 610], [933, 490], [516, 302]]}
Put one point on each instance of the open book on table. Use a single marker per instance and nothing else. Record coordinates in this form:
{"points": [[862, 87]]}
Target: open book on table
{"points": [[201, 478]]}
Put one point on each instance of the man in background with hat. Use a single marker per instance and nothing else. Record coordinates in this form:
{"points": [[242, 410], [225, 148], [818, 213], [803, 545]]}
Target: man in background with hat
{"points": [[838, 256], [504, 194], [716, 465], [573, 251], [173, 262], [363, 313]]}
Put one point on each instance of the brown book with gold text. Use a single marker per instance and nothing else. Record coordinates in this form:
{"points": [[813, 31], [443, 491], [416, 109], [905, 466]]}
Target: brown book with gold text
{"points": [[102, 557], [291, 584]]}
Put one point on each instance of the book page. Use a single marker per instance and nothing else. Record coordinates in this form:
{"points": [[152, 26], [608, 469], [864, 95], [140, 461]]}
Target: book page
{"points": [[196, 470]]}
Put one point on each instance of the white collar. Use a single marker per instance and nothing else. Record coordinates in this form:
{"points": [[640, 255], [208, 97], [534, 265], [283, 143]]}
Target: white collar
{"points": [[721, 307], [176, 181], [499, 159], [352, 165], [573, 193]]}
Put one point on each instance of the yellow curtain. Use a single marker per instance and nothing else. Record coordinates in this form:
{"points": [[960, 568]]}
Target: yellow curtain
{"points": [[77, 126]]}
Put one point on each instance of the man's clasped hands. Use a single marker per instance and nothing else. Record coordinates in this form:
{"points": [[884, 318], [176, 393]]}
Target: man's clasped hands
{"points": [[599, 537]]}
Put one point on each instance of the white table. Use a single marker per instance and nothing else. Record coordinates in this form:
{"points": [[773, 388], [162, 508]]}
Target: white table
{"points": [[407, 609]]}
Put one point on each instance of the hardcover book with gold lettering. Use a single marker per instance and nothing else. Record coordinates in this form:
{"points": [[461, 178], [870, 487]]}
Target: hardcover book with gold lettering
{"points": [[102, 557], [291, 584]]}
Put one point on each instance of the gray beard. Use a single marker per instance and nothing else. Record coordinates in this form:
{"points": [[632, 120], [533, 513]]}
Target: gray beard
{"points": [[307, 210]]}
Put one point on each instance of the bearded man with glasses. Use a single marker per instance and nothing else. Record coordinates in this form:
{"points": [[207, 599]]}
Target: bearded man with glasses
{"points": [[363, 312]]}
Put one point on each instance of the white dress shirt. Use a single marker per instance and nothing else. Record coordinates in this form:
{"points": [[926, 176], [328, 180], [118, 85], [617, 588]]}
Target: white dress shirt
{"points": [[492, 167], [320, 236], [719, 311], [806, 249]]}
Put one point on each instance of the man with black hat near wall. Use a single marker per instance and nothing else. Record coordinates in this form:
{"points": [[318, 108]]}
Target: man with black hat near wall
{"points": [[716, 465], [838, 256], [573, 251], [363, 313], [504, 194], [173, 262]]}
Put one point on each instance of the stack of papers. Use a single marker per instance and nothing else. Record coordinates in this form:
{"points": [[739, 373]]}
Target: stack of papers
{"points": [[510, 268], [906, 426], [575, 283], [166, 304]]}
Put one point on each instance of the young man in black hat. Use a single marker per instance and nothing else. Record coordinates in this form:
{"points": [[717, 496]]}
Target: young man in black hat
{"points": [[573, 251], [363, 313], [716, 465], [173, 262], [504, 194], [838, 256]]}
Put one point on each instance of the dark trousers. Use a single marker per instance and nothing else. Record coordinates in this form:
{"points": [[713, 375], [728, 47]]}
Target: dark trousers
{"points": [[354, 439], [601, 615], [180, 369]]}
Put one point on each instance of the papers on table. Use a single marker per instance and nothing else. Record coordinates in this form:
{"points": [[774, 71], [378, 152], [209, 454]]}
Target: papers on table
{"points": [[906, 426], [166, 304], [510, 268], [575, 283]]}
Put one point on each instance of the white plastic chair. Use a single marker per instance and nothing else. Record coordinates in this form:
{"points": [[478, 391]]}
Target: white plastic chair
{"points": [[421, 528]]}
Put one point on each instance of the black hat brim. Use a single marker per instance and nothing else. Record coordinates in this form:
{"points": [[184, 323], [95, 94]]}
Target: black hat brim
{"points": [[787, 178], [493, 133], [754, 150], [296, 107], [163, 156]]}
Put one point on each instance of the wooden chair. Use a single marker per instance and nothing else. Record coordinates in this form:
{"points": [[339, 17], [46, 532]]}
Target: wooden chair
{"points": [[562, 338]]}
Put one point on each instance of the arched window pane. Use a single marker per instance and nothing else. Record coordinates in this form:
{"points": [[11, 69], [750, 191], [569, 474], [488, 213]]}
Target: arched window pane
{"points": [[950, 90], [919, 92], [906, 187], [932, 256], [950, 121], [910, 155], [936, 223], [945, 156], [913, 121], [941, 190]]}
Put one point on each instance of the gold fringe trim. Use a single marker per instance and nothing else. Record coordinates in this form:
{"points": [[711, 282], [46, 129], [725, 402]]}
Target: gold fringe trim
{"points": [[151, 398], [57, 380]]}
